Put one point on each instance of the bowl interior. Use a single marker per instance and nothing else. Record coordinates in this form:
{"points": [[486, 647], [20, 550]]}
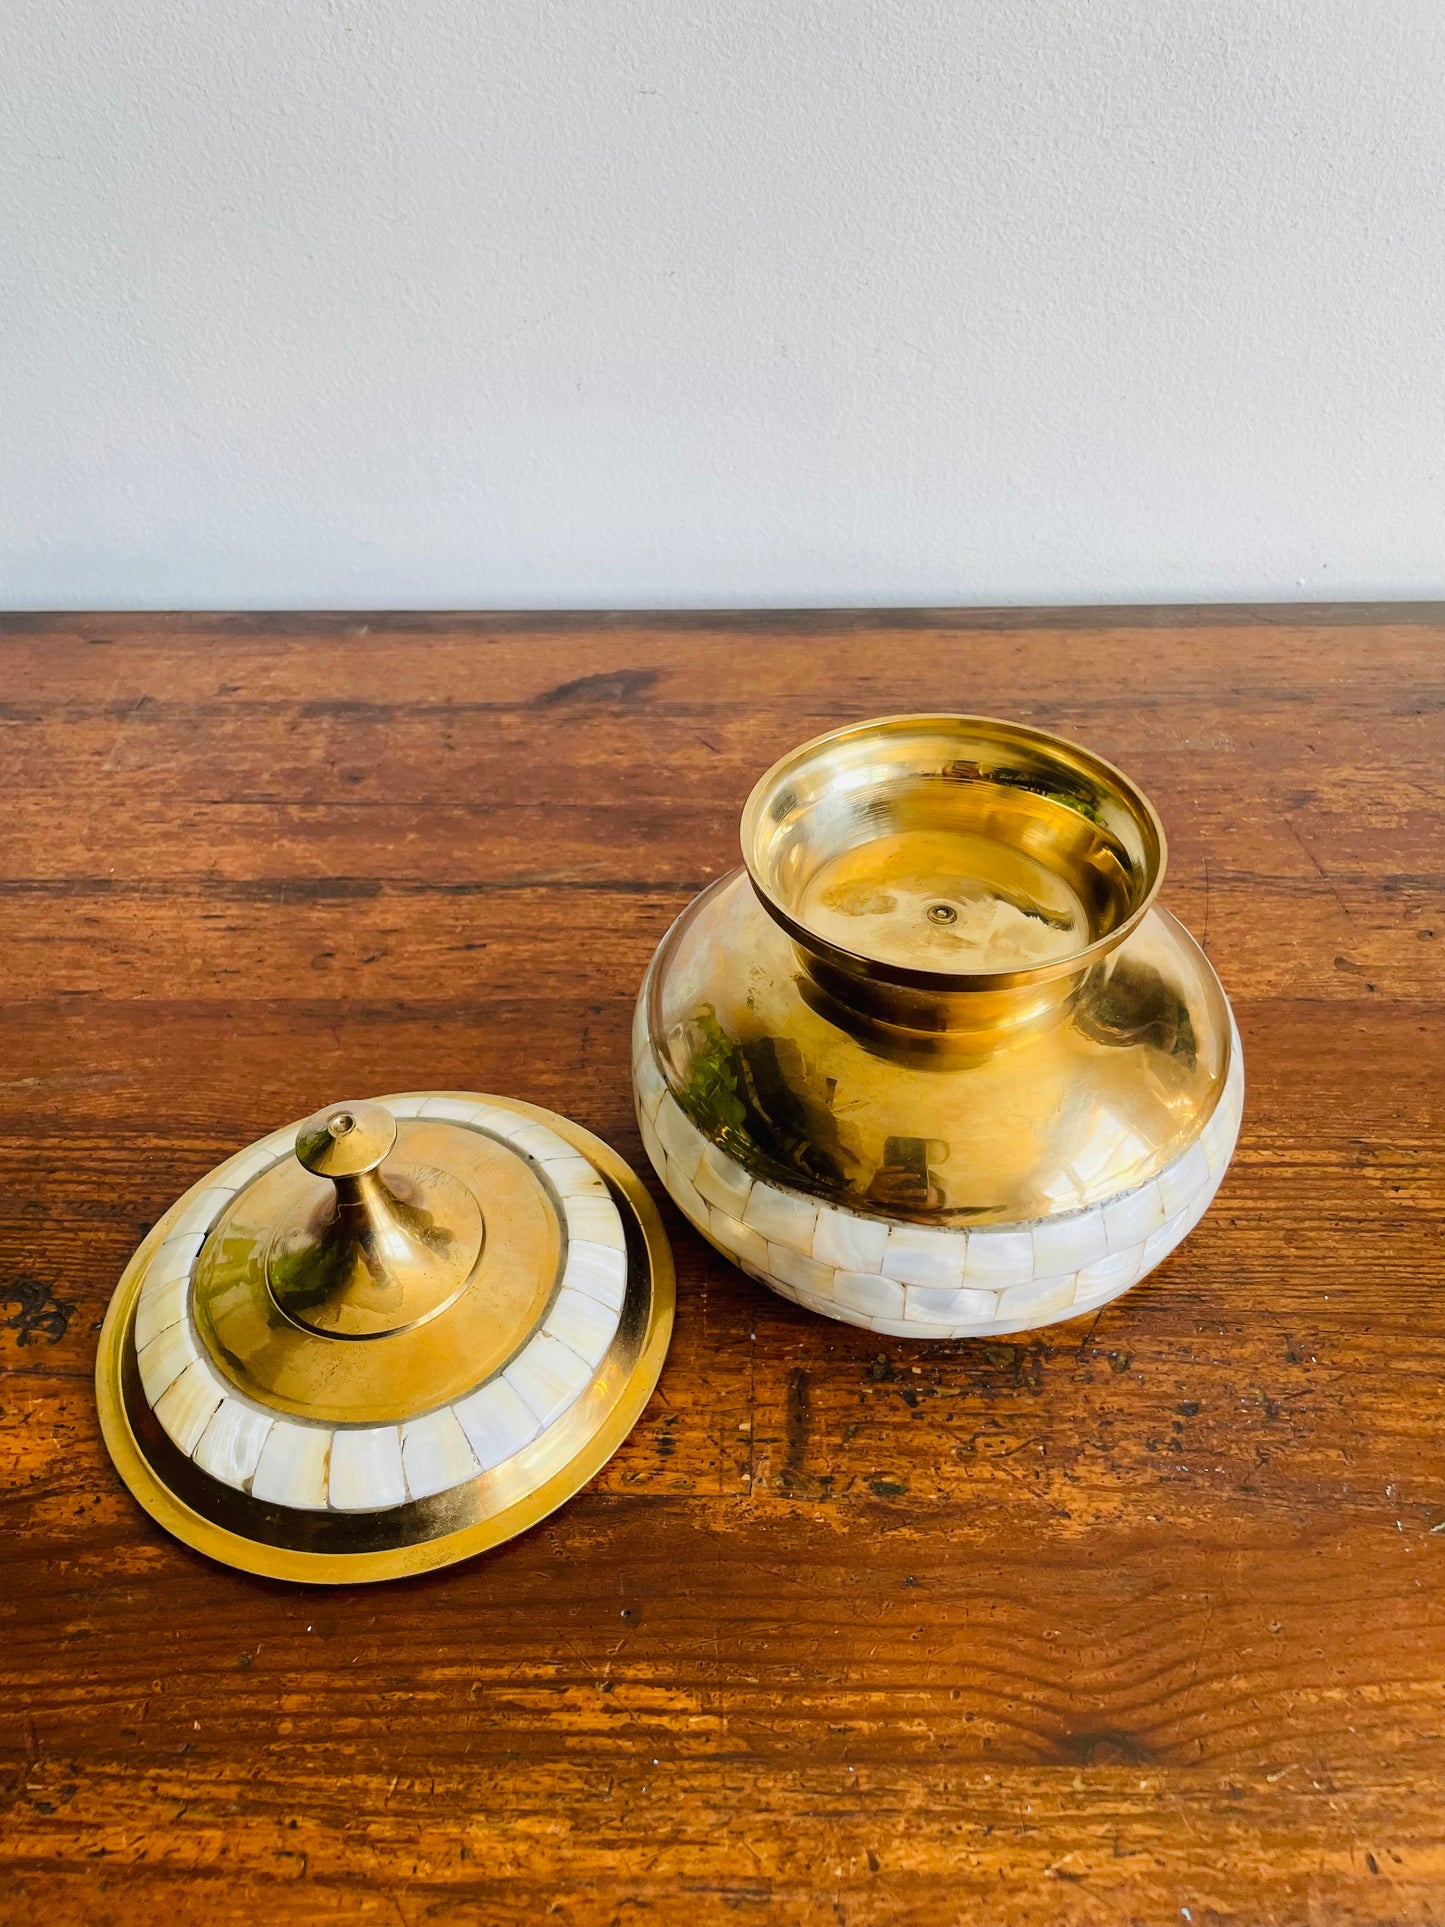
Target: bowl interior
{"points": [[952, 846]]}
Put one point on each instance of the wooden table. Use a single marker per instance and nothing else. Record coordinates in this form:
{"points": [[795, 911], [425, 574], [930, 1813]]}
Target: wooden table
{"points": [[1135, 1620]]}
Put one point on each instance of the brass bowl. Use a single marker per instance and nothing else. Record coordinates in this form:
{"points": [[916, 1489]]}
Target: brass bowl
{"points": [[936, 1061]]}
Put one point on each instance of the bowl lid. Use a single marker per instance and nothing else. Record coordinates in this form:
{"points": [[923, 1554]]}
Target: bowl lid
{"points": [[386, 1337]]}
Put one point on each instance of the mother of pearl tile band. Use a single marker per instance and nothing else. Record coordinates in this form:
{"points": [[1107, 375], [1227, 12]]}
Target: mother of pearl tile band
{"points": [[912, 1281], [368, 1468]]}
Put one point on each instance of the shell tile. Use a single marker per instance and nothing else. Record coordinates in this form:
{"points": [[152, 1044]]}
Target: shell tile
{"points": [[1063, 1244], [597, 1270], [1114, 1272], [435, 1454], [159, 1307], [497, 1120], [583, 1323], [164, 1359], [547, 1375], [294, 1466], [574, 1178], [804, 1274], [684, 1194], [680, 1138], [366, 1469], [869, 1295], [594, 1221], [722, 1181], [999, 1258], [202, 1211], [455, 1110], [497, 1422], [652, 1144], [1036, 1300], [849, 1241], [175, 1259], [942, 1305], [238, 1172], [1183, 1179], [1159, 1244], [739, 1240], [184, 1408], [781, 1218], [230, 1446], [540, 1143], [1129, 1220], [910, 1328], [914, 1255], [651, 1088]]}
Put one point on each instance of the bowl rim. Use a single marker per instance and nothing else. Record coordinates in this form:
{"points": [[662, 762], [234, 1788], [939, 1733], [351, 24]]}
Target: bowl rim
{"points": [[1063, 748]]}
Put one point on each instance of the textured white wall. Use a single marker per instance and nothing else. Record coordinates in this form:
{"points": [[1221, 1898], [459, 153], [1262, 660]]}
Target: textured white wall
{"points": [[649, 302]]}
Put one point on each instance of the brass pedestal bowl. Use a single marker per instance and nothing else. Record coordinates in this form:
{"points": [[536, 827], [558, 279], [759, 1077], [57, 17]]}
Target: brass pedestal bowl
{"points": [[935, 1061]]}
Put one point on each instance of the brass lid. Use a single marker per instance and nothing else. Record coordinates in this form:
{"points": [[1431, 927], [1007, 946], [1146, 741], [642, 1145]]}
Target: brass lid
{"points": [[386, 1337]]}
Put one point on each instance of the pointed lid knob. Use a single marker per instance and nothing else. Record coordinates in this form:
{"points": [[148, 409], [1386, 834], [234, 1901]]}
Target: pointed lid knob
{"points": [[375, 1256]]}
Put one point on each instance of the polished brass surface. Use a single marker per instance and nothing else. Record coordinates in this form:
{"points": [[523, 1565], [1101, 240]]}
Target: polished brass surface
{"points": [[372, 1254], [943, 990], [460, 1332], [507, 1294]]}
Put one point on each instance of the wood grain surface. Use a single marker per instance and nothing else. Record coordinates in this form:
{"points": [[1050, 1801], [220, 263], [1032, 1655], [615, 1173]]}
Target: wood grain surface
{"points": [[1137, 1619]]}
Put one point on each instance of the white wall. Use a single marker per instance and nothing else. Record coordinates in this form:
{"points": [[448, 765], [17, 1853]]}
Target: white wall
{"points": [[654, 302]]}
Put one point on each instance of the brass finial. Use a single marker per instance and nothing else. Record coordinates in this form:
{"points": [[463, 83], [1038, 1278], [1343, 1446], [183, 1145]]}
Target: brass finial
{"points": [[370, 1254]]}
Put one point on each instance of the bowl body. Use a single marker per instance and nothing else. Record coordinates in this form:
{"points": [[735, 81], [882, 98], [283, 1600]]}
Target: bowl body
{"points": [[937, 1063]]}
